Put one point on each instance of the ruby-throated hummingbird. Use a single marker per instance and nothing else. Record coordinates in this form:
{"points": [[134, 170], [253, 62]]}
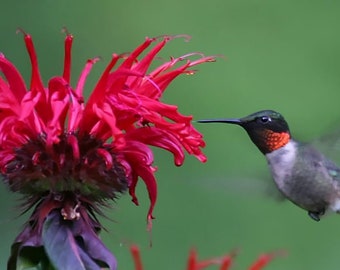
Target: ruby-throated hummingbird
{"points": [[301, 173]]}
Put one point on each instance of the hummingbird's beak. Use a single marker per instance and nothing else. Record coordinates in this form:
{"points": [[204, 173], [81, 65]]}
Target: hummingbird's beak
{"points": [[235, 121]]}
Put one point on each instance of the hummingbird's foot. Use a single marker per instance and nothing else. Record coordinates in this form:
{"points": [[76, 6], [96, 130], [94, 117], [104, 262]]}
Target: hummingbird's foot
{"points": [[316, 215]]}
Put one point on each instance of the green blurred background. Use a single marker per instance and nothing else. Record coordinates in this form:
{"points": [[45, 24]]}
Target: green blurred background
{"points": [[282, 55]]}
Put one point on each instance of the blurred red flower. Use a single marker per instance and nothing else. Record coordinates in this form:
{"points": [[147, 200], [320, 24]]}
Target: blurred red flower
{"points": [[223, 263], [68, 157]]}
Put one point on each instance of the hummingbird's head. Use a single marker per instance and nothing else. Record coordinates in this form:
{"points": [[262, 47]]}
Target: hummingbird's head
{"points": [[267, 129]]}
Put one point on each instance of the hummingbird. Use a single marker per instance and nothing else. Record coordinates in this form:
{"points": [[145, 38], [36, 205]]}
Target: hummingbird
{"points": [[301, 173]]}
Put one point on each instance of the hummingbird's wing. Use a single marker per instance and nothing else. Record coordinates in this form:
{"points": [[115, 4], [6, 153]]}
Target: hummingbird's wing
{"points": [[329, 145], [256, 184], [328, 154]]}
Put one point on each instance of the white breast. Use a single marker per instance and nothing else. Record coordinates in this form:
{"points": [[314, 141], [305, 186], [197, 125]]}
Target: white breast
{"points": [[281, 162]]}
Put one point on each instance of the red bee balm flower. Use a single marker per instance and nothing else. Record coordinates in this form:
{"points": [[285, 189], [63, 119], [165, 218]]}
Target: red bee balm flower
{"points": [[225, 262], [68, 157]]}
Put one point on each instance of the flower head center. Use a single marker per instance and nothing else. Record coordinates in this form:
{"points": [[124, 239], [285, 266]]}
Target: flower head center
{"points": [[81, 164]]}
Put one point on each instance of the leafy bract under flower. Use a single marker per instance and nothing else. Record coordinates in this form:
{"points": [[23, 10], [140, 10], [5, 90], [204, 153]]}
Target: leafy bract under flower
{"points": [[71, 155]]}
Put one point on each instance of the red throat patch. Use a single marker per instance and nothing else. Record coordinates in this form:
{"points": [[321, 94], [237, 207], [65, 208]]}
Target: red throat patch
{"points": [[275, 140]]}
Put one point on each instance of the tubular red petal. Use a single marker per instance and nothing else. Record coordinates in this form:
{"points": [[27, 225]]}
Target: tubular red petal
{"points": [[59, 101], [137, 152], [106, 156], [265, 259], [28, 104], [9, 104], [205, 59], [140, 157], [127, 66], [76, 114], [13, 77], [99, 90], [136, 257], [132, 190], [153, 87], [149, 179], [108, 118], [97, 95], [132, 57], [164, 67], [191, 264], [120, 80], [83, 76], [226, 263], [159, 138], [162, 82], [261, 262], [36, 81], [144, 64], [67, 58], [73, 142]]}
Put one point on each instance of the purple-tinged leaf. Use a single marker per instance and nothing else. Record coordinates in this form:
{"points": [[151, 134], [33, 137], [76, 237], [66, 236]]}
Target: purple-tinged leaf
{"points": [[93, 245], [76, 239]]}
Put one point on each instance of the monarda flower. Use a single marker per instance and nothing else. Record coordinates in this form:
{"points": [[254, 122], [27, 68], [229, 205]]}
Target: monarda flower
{"points": [[69, 156], [223, 263]]}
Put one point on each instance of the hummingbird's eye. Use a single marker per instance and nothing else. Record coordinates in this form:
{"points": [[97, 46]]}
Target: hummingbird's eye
{"points": [[265, 119]]}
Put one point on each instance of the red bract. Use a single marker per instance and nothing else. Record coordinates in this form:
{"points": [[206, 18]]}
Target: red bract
{"points": [[69, 156]]}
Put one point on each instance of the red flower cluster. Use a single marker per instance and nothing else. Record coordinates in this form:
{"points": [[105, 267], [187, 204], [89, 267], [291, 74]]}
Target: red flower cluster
{"points": [[68, 156], [224, 262], [124, 107]]}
